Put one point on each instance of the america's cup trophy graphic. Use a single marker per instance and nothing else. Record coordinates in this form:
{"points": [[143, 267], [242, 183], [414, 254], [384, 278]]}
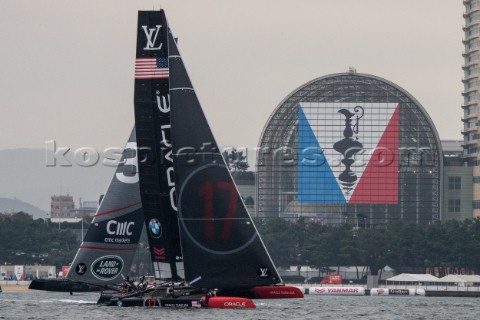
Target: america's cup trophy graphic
{"points": [[348, 147]]}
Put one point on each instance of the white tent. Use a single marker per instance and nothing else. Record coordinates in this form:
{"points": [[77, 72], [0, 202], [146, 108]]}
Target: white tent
{"points": [[474, 278], [412, 279], [461, 280]]}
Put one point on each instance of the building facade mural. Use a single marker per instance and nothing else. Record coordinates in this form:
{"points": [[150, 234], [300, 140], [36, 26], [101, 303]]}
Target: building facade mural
{"points": [[350, 148]]}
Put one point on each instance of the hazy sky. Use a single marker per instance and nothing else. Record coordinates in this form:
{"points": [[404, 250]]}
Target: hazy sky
{"points": [[67, 66]]}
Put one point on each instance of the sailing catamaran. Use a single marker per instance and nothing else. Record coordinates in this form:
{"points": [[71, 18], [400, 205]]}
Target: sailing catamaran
{"points": [[172, 179]]}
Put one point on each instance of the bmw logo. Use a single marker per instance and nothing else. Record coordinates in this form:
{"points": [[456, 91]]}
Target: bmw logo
{"points": [[155, 228]]}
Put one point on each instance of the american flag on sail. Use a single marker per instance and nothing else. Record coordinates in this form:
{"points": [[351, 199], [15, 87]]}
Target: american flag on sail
{"points": [[151, 68], [196, 304]]}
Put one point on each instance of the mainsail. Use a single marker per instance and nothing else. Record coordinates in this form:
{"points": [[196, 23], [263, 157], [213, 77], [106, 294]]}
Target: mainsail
{"points": [[108, 248], [152, 122], [221, 246]]}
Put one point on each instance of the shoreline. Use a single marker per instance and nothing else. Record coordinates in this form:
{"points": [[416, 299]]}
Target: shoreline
{"points": [[14, 288]]}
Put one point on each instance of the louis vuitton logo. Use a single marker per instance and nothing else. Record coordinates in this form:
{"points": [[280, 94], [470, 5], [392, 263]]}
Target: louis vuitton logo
{"points": [[152, 34], [81, 269], [263, 272]]}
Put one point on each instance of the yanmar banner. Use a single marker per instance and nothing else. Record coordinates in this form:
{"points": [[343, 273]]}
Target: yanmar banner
{"points": [[342, 291]]}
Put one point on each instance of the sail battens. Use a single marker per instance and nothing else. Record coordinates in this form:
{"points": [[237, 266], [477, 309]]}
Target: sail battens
{"points": [[189, 151], [213, 219], [181, 88], [195, 280], [108, 248], [118, 209], [151, 76]]}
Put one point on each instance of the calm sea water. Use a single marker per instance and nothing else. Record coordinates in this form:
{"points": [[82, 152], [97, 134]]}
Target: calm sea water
{"points": [[50, 305]]}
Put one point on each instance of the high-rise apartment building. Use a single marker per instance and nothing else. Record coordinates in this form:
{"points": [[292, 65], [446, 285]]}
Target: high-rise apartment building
{"points": [[471, 93]]}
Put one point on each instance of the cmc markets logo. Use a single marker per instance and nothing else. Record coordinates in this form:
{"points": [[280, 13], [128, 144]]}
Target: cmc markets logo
{"points": [[107, 267], [119, 228], [155, 228]]}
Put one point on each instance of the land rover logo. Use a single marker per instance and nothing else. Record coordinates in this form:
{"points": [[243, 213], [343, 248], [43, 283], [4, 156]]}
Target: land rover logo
{"points": [[155, 228], [107, 267]]}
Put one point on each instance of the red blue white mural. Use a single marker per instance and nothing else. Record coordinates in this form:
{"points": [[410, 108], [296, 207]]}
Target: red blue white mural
{"points": [[348, 152]]}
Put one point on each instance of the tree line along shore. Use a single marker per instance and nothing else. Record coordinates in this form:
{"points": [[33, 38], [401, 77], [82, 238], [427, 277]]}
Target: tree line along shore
{"points": [[447, 247]]}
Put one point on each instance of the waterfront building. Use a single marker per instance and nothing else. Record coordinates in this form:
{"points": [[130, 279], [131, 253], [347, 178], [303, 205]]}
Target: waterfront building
{"points": [[353, 148], [26, 272], [245, 182], [63, 209], [85, 209], [457, 183], [61, 206], [471, 96]]}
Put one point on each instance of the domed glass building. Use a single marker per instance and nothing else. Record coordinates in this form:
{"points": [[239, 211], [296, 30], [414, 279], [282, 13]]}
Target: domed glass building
{"points": [[351, 148]]}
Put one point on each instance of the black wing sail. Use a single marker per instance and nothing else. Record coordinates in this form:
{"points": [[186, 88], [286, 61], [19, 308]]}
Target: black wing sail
{"points": [[221, 246], [152, 122], [107, 251]]}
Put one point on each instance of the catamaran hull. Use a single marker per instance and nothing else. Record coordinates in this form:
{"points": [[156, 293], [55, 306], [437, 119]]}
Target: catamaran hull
{"points": [[175, 297], [156, 302], [264, 292], [63, 285], [276, 292], [190, 302], [228, 303], [148, 300]]}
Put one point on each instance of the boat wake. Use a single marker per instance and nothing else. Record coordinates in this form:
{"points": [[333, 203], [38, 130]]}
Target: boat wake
{"points": [[76, 301]]}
